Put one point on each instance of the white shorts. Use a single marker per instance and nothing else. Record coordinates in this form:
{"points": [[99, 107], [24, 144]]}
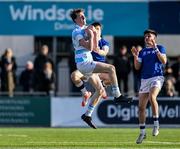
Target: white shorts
{"points": [[86, 68], [147, 84]]}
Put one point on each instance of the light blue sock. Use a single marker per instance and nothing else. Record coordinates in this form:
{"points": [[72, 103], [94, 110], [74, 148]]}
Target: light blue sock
{"points": [[90, 110], [115, 91]]}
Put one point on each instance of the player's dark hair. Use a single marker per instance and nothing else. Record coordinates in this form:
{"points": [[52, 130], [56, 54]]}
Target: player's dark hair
{"points": [[150, 31], [74, 13], [96, 24]]}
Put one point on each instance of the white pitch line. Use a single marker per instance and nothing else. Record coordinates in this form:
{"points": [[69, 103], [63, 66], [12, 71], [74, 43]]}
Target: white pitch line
{"points": [[162, 142], [64, 142], [16, 135], [68, 142]]}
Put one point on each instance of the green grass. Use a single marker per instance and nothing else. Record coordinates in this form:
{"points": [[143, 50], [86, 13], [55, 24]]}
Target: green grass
{"points": [[73, 138]]}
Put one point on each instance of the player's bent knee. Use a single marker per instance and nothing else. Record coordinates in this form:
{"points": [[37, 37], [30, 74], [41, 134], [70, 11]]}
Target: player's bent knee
{"points": [[111, 68], [74, 77]]}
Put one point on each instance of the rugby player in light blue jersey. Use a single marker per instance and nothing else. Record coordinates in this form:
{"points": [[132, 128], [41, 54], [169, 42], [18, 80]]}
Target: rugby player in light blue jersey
{"points": [[151, 61], [84, 41], [98, 54]]}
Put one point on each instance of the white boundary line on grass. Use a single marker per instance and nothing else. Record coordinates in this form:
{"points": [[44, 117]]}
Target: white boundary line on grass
{"points": [[64, 142], [163, 142], [14, 135], [73, 142]]}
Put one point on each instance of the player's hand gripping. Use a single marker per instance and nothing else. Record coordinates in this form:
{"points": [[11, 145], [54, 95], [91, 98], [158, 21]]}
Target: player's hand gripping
{"points": [[135, 52]]}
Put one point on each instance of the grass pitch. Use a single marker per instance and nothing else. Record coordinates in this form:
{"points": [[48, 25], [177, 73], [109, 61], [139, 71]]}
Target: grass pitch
{"points": [[86, 138]]}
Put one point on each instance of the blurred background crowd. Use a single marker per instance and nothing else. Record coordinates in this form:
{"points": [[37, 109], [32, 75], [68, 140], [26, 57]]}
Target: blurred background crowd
{"points": [[39, 76]]}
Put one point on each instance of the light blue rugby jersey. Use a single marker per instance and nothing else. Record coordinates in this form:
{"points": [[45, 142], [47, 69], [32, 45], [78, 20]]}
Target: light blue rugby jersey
{"points": [[150, 64], [81, 53]]}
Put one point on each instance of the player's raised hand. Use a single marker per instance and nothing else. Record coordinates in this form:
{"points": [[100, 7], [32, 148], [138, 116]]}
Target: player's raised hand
{"points": [[92, 28], [135, 51], [89, 32], [154, 43]]}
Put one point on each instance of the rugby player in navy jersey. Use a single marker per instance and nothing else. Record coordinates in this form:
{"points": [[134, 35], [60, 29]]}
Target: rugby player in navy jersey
{"points": [[99, 54], [151, 61]]}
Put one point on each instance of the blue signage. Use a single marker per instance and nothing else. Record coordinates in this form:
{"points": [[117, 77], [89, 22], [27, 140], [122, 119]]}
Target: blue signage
{"points": [[52, 18], [110, 113]]}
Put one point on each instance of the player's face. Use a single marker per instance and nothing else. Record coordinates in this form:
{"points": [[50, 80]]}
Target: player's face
{"points": [[81, 19], [148, 38], [98, 29]]}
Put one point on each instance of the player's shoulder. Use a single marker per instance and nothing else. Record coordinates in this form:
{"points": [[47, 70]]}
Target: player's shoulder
{"points": [[104, 42], [76, 31], [143, 49], [160, 46]]}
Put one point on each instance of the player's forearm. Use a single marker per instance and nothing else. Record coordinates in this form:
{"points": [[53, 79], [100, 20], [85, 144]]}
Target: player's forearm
{"points": [[95, 41], [161, 57], [88, 44], [137, 65], [102, 52], [91, 43]]}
